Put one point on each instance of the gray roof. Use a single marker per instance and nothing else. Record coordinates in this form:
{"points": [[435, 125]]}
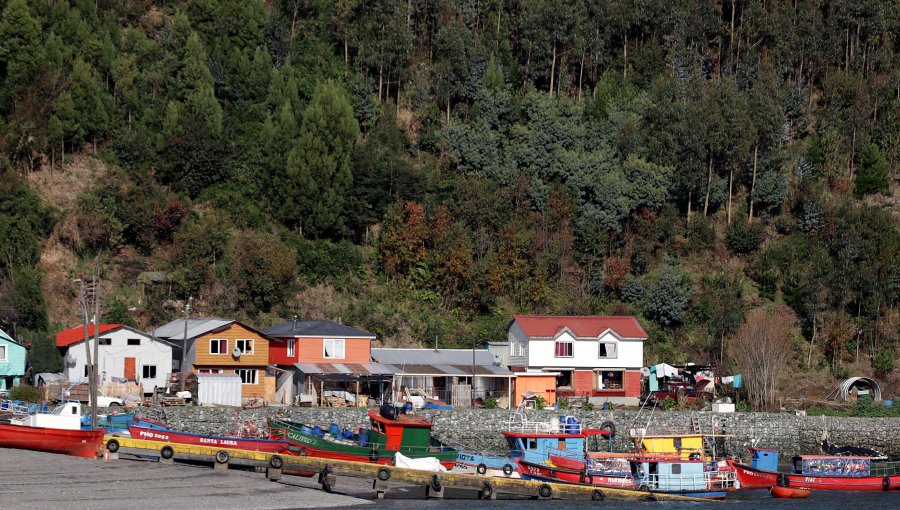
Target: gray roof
{"points": [[196, 327], [321, 329], [440, 362], [347, 371]]}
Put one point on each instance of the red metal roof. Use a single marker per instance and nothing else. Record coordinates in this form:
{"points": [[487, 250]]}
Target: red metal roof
{"points": [[584, 326], [75, 335]]}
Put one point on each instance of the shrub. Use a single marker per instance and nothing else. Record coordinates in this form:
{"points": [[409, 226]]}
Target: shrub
{"points": [[743, 238], [883, 360], [873, 172], [25, 393], [632, 290], [490, 403], [669, 298], [539, 402], [700, 234], [668, 403]]}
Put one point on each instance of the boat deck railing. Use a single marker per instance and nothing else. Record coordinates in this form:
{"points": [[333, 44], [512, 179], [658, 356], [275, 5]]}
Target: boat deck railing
{"points": [[885, 468], [14, 407], [723, 480], [519, 422]]}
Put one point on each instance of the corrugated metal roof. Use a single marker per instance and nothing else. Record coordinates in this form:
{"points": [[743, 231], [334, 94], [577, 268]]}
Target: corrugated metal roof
{"points": [[441, 362], [583, 326], [347, 370], [316, 329], [196, 327], [75, 335]]}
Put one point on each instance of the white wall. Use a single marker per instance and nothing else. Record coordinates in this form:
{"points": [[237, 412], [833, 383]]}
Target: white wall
{"points": [[112, 358], [516, 337], [542, 353]]}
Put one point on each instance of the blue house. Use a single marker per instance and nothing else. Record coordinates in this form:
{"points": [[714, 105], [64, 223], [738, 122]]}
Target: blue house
{"points": [[12, 362]]}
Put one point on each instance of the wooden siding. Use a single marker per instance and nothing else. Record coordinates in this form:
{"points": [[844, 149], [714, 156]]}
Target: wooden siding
{"points": [[260, 356], [356, 350], [542, 385]]}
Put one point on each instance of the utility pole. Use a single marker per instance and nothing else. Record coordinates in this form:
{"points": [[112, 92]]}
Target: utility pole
{"points": [[95, 286], [474, 339], [87, 342], [184, 345]]}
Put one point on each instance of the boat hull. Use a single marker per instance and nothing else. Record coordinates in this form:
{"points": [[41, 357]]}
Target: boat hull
{"points": [[547, 473], [485, 465], [77, 443], [751, 478], [315, 446], [789, 493], [240, 443]]}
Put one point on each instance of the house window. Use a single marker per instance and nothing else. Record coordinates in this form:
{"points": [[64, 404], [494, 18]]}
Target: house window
{"points": [[607, 350], [290, 348], [149, 371], [218, 346], [245, 345], [564, 349], [106, 341], [86, 367], [610, 380], [134, 341], [334, 348], [2, 353], [210, 370], [247, 376]]}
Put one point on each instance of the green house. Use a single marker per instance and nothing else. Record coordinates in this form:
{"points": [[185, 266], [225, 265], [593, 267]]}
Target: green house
{"points": [[12, 362]]}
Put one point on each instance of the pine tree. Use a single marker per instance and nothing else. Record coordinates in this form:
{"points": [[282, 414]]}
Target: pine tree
{"points": [[20, 46]]}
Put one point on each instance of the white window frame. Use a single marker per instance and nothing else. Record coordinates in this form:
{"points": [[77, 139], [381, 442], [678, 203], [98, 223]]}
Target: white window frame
{"points": [[599, 378], [219, 342], [556, 349], [210, 371], [335, 342], [244, 373], [291, 348], [5, 354], [144, 367], [244, 341], [615, 349]]}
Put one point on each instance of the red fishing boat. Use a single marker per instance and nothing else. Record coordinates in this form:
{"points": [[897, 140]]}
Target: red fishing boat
{"points": [[166, 435], [789, 492], [78, 443], [818, 472]]}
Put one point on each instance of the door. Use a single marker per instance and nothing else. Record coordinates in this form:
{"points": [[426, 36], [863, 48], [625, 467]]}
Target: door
{"points": [[130, 368]]}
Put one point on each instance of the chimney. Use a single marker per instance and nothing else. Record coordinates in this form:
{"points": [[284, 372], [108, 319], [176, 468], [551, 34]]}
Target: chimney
{"points": [[295, 323]]}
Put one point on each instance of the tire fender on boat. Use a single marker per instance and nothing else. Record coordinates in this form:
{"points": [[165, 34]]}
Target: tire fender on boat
{"points": [[586, 478], [783, 480], [886, 483], [384, 474], [222, 457], [436, 485], [481, 469], [508, 469], [597, 495], [373, 455], [545, 491], [276, 462], [166, 452], [610, 426], [487, 490], [112, 445]]}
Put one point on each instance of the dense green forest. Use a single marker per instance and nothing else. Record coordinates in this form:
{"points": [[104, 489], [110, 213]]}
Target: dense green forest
{"points": [[426, 168]]}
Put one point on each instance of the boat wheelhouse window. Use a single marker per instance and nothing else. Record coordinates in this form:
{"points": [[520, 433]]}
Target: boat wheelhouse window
{"points": [[149, 371], [532, 443], [248, 376], [134, 341], [564, 348], [334, 348], [218, 346], [676, 469]]}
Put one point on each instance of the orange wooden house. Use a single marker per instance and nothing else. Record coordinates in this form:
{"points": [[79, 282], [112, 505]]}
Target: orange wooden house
{"points": [[222, 346]]}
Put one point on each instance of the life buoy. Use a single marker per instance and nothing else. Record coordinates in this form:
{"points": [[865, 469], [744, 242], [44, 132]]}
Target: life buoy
{"points": [[597, 495], [783, 480], [610, 426], [276, 462], [112, 445], [508, 469], [222, 457], [545, 491], [373, 455], [384, 474], [481, 469], [166, 452], [436, 485], [885, 482]]}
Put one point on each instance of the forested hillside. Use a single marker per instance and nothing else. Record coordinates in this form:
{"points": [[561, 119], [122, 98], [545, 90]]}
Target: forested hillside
{"points": [[424, 169]]}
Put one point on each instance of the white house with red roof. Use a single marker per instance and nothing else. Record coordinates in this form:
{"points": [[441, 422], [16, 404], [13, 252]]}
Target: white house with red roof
{"points": [[594, 356], [125, 354]]}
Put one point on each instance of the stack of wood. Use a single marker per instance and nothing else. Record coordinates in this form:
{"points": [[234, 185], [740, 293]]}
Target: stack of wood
{"points": [[335, 402]]}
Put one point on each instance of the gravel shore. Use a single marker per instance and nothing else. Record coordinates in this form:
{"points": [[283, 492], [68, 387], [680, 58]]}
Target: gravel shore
{"points": [[36, 481]]}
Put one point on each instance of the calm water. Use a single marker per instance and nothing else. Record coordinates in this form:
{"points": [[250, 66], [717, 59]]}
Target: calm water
{"points": [[743, 500]]}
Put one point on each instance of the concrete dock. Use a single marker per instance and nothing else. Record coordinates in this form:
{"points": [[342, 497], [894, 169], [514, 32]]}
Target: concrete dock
{"points": [[37, 481]]}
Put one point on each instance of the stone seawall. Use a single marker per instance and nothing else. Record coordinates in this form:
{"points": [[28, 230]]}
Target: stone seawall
{"points": [[479, 429]]}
